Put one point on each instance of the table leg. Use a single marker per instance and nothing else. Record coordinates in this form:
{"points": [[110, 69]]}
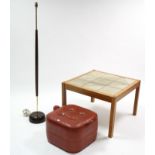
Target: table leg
{"points": [[64, 98], [136, 100], [92, 99], [112, 119]]}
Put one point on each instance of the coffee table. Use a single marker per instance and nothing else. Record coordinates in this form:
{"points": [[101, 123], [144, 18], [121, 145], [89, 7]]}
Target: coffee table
{"points": [[104, 86]]}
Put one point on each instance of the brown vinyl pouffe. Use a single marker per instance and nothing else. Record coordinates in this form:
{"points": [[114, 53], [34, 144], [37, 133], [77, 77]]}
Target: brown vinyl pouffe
{"points": [[71, 128]]}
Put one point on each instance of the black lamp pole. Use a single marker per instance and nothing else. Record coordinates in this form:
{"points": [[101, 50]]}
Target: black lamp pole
{"points": [[37, 116]]}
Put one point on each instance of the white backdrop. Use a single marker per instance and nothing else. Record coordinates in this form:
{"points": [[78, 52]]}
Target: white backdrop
{"points": [[75, 36]]}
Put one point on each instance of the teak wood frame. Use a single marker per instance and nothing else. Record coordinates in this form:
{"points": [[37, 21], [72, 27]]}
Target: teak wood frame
{"points": [[111, 99]]}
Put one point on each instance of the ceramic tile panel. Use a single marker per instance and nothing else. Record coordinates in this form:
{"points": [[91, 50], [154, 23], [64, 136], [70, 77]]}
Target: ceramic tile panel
{"points": [[77, 82], [118, 85], [104, 83], [109, 90], [125, 80], [93, 86]]}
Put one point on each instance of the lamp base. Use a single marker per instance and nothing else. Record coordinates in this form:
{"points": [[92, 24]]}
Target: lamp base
{"points": [[37, 117]]}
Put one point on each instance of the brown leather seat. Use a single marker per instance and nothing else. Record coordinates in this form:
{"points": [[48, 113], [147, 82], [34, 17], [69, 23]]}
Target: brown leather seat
{"points": [[71, 128]]}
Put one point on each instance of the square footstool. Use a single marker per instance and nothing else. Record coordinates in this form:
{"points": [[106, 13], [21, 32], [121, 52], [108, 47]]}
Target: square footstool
{"points": [[71, 128]]}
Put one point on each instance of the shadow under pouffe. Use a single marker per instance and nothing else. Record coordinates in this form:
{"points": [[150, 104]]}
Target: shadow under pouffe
{"points": [[71, 128]]}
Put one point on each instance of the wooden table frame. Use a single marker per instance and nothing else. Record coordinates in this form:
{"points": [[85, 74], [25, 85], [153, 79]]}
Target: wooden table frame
{"points": [[113, 100]]}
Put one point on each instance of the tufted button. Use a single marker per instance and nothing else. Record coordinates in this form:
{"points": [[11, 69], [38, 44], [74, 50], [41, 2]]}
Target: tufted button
{"points": [[71, 109], [82, 113], [62, 113]]}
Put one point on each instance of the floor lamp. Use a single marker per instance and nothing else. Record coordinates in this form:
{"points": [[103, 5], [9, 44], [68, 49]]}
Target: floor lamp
{"points": [[36, 116]]}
